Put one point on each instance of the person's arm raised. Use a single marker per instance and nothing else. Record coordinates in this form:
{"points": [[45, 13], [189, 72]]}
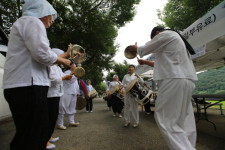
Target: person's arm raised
{"points": [[146, 62]]}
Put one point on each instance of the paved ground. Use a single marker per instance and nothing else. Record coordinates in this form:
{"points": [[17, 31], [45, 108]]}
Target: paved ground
{"points": [[101, 131]]}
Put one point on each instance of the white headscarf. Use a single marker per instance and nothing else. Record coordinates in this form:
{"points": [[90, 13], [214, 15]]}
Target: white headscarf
{"points": [[38, 8], [115, 76], [57, 51]]}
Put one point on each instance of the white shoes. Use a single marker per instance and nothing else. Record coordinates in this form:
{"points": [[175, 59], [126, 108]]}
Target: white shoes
{"points": [[89, 111], [126, 124], [135, 125], [120, 116], [53, 140], [71, 124], [61, 127], [52, 146]]}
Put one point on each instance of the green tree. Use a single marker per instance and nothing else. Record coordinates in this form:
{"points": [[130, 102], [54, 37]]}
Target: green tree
{"points": [[9, 12], [211, 82], [179, 14], [92, 24], [101, 88]]}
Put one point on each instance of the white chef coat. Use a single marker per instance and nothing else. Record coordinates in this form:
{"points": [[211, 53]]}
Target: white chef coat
{"points": [[29, 54], [171, 58]]}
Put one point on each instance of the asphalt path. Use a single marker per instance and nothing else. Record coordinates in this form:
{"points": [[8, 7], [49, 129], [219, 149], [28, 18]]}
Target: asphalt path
{"points": [[99, 130]]}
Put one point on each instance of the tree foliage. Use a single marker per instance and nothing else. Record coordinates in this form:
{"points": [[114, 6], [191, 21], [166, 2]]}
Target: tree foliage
{"points": [[179, 14], [9, 12], [101, 88], [211, 82], [93, 24]]}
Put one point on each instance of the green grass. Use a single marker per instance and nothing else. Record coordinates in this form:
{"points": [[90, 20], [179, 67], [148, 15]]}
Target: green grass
{"points": [[216, 106]]}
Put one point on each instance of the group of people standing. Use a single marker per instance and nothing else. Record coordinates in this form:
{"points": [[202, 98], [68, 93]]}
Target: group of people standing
{"points": [[175, 75], [127, 103], [33, 83], [26, 80], [39, 94]]}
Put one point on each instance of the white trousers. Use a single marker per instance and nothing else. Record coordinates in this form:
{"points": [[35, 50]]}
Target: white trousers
{"points": [[174, 113], [67, 105], [60, 121], [131, 113]]}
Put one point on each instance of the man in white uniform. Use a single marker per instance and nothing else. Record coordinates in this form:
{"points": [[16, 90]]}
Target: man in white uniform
{"points": [[131, 112], [175, 74], [26, 75]]}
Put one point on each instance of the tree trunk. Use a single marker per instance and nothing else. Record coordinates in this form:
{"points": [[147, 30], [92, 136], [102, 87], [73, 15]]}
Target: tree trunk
{"points": [[19, 8]]}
